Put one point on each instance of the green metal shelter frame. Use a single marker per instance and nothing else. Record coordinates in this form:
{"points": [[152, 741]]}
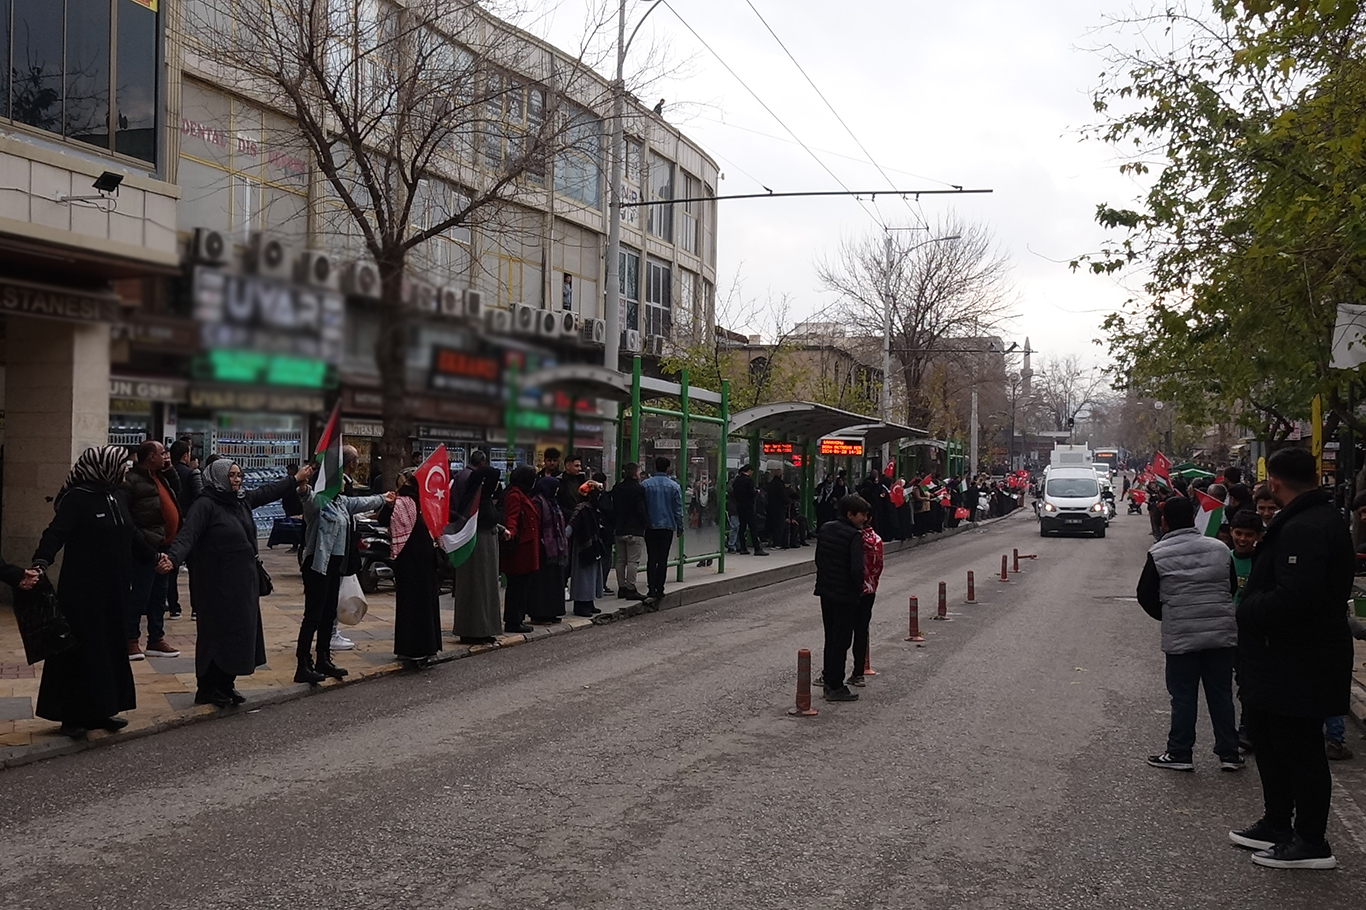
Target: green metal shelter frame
{"points": [[630, 393]]}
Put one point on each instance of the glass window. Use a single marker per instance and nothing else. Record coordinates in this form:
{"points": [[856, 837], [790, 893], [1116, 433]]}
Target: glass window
{"points": [[661, 220], [57, 67], [1073, 487], [658, 298], [687, 218], [629, 277], [577, 167]]}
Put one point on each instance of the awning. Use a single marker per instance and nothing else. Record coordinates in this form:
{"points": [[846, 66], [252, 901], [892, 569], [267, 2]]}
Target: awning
{"points": [[876, 435], [588, 381], [796, 420], [925, 443]]}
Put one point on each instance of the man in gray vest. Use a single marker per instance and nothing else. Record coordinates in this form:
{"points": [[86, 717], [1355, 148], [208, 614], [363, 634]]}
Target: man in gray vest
{"points": [[1188, 584]]}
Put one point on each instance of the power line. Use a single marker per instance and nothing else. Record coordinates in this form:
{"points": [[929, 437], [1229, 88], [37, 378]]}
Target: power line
{"points": [[772, 114], [811, 82], [857, 194]]}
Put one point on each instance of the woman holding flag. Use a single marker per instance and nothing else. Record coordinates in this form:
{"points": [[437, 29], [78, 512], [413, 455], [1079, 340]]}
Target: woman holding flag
{"points": [[417, 614]]}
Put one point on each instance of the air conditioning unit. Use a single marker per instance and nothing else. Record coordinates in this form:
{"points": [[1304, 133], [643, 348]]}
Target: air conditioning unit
{"points": [[209, 246], [317, 269], [524, 319], [451, 302], [547, 323], [270, 257], [497, 321], [473, 303], [630, 341], [593, 332], [567, 324], [654, 345], [419, 295], [361, 279]]}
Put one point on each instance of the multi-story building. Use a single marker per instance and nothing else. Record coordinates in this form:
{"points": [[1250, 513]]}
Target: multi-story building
{"points": [[210, 284]]}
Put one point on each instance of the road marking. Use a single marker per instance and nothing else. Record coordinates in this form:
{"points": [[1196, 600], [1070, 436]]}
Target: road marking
{"points": [[1350, 814]]}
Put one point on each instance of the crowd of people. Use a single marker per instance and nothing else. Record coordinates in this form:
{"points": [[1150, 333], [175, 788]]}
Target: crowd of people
{"points": [[1259, 601]]}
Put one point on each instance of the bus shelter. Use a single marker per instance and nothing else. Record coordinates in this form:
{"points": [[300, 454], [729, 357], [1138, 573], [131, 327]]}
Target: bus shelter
{"points": [[700, 419]]}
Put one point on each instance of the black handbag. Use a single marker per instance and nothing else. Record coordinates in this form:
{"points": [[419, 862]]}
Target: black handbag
{"points": [[264, 585], [43, 628]]}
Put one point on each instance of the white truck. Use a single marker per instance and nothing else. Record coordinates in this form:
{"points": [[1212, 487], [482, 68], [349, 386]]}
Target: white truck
{"points": [[1070, 456]]}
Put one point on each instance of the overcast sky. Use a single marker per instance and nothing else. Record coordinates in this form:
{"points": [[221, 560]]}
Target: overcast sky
{"points": [[980, 93]]}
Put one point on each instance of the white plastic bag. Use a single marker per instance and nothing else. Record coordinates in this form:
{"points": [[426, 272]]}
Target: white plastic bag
{"points": [[351, 605]]}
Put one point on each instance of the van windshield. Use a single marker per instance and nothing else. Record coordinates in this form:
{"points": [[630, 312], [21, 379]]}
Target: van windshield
{"points": [[1073, 487]]}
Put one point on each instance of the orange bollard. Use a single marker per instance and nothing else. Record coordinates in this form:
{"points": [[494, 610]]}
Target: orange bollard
{"points": [[915, 622], [803, 707], [972, 588], [943, 613], [1016, 555], [868, 662], [1005, 566]]}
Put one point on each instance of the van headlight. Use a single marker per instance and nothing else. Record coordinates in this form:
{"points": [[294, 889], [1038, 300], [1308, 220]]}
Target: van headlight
{"points": [[1098, 507], [1049, 507]]}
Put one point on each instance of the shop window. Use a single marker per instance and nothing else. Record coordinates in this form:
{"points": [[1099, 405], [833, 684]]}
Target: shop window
{"points": [[57, 70]]}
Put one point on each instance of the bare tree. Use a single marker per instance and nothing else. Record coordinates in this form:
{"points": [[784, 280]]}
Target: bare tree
{"points": [[420, 118], [938, 290], [1064, 389]]}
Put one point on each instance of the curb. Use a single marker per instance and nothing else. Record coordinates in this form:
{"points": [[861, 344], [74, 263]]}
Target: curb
{"points": [[16, 756]]}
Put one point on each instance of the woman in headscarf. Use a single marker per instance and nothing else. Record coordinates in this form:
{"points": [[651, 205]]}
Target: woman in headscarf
{"points": [[219, 534], [585, 551], [86, 686], [417, 614], [521, 555], [476, 595], [547, 601], [901, 527]]}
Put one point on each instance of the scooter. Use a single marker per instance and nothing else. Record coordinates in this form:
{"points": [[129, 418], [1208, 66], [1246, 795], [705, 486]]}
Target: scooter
{"points": [[374, 554]]}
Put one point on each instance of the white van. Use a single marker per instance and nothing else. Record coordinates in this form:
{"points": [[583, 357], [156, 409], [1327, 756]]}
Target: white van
{"points": [[1070, 502]]}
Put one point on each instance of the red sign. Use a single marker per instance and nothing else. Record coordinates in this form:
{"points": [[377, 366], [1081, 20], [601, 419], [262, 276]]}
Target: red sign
{"points": [[434, 490], [778, 448], [840, 447], [796, 461]]}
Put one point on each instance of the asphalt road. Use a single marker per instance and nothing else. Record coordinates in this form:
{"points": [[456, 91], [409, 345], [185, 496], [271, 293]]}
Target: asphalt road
{"points": [[652, 764]]}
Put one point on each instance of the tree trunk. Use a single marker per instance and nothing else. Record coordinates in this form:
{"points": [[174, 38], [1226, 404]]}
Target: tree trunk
{"points": [[391, 355]]}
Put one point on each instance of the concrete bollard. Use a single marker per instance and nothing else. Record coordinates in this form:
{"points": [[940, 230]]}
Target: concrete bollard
{"points": [[943, 613], [915, 621], [972, 588], [803, 707]]}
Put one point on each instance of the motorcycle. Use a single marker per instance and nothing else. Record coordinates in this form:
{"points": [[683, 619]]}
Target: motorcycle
{"points": [[373, 545]]}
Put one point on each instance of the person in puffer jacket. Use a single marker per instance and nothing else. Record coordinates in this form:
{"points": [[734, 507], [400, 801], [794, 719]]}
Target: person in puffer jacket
{"points": [[1188, 584]]}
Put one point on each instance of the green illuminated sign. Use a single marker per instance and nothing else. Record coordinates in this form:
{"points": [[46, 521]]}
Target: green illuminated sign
{"points": [[263, 369]]}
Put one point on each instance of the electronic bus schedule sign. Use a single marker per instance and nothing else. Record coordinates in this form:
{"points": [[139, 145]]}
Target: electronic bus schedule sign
{"points": [[840, 447]]}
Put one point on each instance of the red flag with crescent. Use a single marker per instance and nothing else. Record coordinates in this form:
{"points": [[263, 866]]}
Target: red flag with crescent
{"points": [[434, 490]]}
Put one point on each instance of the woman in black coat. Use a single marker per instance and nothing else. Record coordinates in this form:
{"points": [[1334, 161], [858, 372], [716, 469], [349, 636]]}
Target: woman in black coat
{"points": [[85, 687], [417, 587], [220, 534]]}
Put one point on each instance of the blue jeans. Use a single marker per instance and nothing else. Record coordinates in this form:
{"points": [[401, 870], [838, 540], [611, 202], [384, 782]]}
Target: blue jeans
{"points": [[146, 594], [1335, 728], [1185, 674], [733, 524]]}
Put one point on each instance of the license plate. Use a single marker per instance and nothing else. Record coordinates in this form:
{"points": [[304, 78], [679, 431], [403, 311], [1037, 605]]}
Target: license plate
{"points": [[1071, 521]]}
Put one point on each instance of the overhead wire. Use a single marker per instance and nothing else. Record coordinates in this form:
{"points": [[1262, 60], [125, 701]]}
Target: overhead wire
{"points": [[811, 82], [772, 113]]}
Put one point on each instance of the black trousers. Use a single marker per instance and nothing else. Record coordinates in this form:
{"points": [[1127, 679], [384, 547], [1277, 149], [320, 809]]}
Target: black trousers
{"points": [[863, 616], [320, 608], [215, 679], [839, 618], [746, 516], [1296, 782], [517, 599], [658, 541]]}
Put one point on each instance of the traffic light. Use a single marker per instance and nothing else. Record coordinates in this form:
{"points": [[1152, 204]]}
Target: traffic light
{"points": [[1071, 423]]}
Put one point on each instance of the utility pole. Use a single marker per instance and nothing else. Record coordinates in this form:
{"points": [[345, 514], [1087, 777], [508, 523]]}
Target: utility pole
{"points": [[887, 345], [972, 439], [612, 301]]}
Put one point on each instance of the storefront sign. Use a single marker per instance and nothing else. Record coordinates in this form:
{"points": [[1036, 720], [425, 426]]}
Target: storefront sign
{"points": [[260, 368], [148, 389], [466, 373], [362, 428], [161, 333], [23, 298], [248, 312], [450, 434], [840, 447], [220, 399]]}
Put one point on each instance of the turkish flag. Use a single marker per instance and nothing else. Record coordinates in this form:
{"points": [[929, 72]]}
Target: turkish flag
{"points": [[1162, 466], [434, 491]]}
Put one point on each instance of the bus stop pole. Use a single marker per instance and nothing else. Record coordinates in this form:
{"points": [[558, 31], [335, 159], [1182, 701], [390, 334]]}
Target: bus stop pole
{"points": [[683, 465], [723, 478]]}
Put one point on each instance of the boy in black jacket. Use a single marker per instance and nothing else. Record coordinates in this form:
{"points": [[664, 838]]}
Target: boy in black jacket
{"points": [[839, 585]]}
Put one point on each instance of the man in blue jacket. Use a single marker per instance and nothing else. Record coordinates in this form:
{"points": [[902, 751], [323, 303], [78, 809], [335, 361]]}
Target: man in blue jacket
{"points": [[664, 508]]}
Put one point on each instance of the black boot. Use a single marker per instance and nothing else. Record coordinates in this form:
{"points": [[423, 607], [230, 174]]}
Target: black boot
{"points": [[327, 668], [306, 673]]}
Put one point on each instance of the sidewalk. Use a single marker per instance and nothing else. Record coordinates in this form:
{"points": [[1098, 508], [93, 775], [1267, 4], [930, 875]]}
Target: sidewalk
{"points": [[166, 686]]}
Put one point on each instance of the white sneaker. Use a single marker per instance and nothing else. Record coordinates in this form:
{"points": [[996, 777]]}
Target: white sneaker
{"points": [[341, 643]]}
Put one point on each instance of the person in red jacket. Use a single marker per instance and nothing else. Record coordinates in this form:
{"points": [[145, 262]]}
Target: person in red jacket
{"points": [[522, 548]]}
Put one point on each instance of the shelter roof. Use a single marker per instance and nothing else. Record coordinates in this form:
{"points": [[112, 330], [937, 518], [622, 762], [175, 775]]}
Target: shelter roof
{"points": [[795, 419]]}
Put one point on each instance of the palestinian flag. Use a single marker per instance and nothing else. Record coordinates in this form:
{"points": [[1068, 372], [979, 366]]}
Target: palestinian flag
{"points": [[1209, 514], [458, 539], [927, 484], [327, 482]]}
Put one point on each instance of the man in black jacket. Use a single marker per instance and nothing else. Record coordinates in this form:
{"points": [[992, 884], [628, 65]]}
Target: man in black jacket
{"points": [[1295, 663], [191, 486], [153, 490], [744, 493], [629, 517], [839, 585]]}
